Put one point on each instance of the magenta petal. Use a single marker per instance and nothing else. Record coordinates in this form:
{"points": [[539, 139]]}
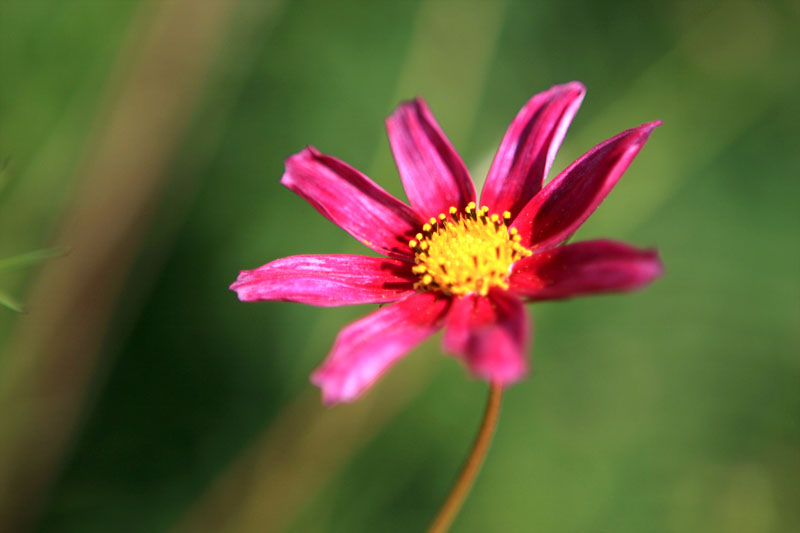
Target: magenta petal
{"points": [[584, 268], [327, 280], [566, 202], [352, 201], [491, 335], [433, 174], [366, 348], [529, 147]]}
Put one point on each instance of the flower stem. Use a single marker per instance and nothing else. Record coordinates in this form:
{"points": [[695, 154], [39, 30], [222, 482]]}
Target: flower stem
{"points": [[472, 465]]}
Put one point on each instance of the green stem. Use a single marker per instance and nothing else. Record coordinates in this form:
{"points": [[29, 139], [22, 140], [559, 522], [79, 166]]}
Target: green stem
{"points": [[452, 505]]}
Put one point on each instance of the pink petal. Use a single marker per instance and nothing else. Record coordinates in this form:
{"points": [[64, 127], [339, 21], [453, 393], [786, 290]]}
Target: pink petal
{"points": [[327, 280], [566, 202], [584, 268], [491, 334], [353, 202], [529, 147], [366, 348], [433, 174]]}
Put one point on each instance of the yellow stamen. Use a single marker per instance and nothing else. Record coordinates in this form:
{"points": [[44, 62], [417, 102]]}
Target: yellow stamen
{"points": [[467, 253]]}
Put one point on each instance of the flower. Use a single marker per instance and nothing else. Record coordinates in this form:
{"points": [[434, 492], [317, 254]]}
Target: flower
{"points": [[449, 262]]}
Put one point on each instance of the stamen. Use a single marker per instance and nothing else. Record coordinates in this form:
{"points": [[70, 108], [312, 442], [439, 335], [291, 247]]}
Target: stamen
{"points": [[469, 252]]}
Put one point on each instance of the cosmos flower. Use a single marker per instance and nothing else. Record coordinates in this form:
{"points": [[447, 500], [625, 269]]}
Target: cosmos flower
{"points": [[451, 261]]}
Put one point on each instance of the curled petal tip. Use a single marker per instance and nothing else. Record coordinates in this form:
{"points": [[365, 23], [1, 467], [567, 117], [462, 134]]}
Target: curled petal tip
{"points": [[650, 268], [291, 161], [574, 86], [656, 264], [236, 285], [305, 152], [330, 396], [648, 127], [417, 104], [640, 134], [419, 101]]}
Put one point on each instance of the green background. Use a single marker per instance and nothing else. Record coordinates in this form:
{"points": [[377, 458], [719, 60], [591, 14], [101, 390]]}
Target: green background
{"points": [[673, 409]]}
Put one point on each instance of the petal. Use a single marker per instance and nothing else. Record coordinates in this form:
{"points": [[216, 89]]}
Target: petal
{"points": [[584, 268], [491, 334], [566, 202], [353, 202], [327, 280], [529, 147], [366, 348], [433, 174]]}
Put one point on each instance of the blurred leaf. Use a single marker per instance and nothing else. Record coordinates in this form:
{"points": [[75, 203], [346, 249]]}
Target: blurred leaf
{"points": [[30, 258], [8, 301]]}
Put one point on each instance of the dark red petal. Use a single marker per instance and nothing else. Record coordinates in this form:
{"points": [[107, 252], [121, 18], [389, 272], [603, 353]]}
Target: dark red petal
{"points": [[584, 268], [490, 333], [365, 349], [529, 147], [327, 280], [433, 174], [353, 202], [566, 202]]}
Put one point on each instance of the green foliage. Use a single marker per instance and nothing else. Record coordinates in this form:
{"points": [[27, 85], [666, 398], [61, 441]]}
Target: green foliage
{"points": [[30, 258], [10, 302]]}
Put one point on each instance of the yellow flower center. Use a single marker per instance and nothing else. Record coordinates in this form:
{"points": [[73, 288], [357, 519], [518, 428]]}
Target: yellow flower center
{"points": [[465, 253]]}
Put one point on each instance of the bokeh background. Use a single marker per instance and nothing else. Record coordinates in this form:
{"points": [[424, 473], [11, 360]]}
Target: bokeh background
{"points": [[144, 141]]}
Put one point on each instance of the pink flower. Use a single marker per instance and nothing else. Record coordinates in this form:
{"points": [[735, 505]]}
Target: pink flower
{"points": [[449, 263]]}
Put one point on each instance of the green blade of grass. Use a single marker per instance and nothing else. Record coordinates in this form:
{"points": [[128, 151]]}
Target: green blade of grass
{"points": [[7, 300], [30, 258]]}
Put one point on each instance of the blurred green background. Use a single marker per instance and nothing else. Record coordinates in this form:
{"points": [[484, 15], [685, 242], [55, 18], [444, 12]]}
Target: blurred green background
{"points": [[146, 140]]}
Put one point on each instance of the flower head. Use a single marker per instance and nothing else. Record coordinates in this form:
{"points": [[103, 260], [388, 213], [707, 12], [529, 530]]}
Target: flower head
{"points": [[451, 261]]}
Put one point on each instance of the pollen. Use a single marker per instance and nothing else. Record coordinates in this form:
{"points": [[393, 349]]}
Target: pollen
{"points": [[466, 252]]}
